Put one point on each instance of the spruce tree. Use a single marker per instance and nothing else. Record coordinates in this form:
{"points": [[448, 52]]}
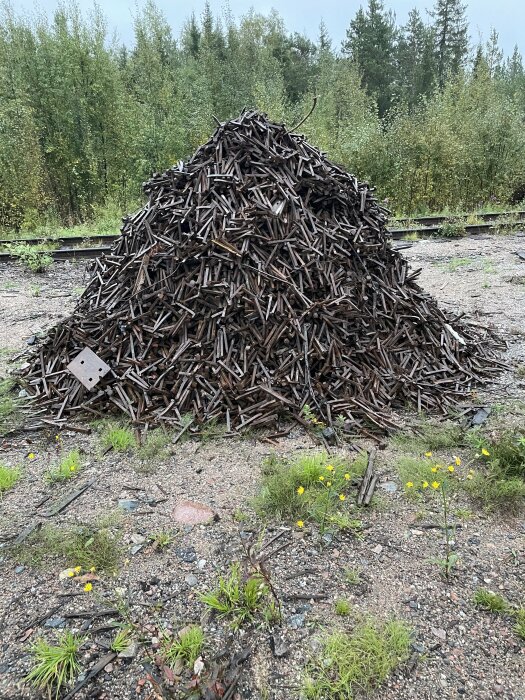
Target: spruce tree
{"points": [[451, 37], [415, 64]]}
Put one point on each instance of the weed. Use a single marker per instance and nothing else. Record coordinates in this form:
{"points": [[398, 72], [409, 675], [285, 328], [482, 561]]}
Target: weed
{"points": [[155, 446], [35, 290], [122, 640], [8, 477], [311, 485], [463, 514], [240, 516], [353, 576], [33, 257], [117, 437], [452, 228], [413, 236], [519, 626], [56, 665], [160, 540], [349, 664], [342, 607], [8, 406], [492, 602], [241, 600], [457, 263], [187, 646], [86, 546], [67, 468], [520, 371], [212, 430], [430, 437]]}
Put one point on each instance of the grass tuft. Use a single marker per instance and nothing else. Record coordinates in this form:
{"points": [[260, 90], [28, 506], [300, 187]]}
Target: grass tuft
{"points": [[8, 477], [492, 602], [187, 646], [56, 666], [342, 607], [8, 406], [67, 468], [349, 665], [117, 437], [122, 640], [430, 437], [241, 600]]}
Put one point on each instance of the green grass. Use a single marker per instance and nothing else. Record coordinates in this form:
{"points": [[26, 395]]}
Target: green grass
{"points": [[8, 477], [492, 602], [451, 229], [519, 625], [161, 539], [67, 468], [9, 406], [241, 600], [342, 607], [187, 646], [122, 640], [56, 666], [350, 665], [34, 258], [298, 488], [156, 446], [352, 576], [430, 437], [86, 546], [117, 437]]}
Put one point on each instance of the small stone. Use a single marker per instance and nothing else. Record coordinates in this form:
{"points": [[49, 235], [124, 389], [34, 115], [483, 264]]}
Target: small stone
{"points": [[31, 340], [279, 646], [329, 433], [108, 668], [136, 549], [499, 689], [296, 621], [22, 394], [187, 555], [388, 486], [137, 538], [377, 549], [201, 564], [191, 580], [327, 538], [55, 622], [417, 532], [192, 513], [420, 648], [439, 633], [19, 569], [130, 652], [128, 504]]}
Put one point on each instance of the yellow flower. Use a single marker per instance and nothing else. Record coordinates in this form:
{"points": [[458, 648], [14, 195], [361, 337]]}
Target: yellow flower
{"points": [[72, 468], [88, 587], [328, 483], [347, 476], [428, 454], [425, 484], [300, 523], [93, 569], [300, 490], [451, 469], [329, 467], [31, 455], [457, 460], [77, 569], [470, 474], [409, 484], [70, 573], [321, 478], [434, 470], [435, 484], [485, 452], [342, 497]]}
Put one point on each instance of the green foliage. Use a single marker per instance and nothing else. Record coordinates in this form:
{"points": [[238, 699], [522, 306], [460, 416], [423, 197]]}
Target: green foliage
{"points": [[117, 437], [351, 664], [187, 646], [342, 607], [56, 666], [309, 485], [32, 257], [519, 626], [67, 468], [429, 436], [156, 446], [492, 602], [452, 228], [8, 477], [8, 406], [122, 640], [352, 576], [161, 539], [85, 545], [241, 600]]}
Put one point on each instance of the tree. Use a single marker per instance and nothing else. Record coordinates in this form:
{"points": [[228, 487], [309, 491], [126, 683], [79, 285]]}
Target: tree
{"points": [[451, 37], [415, 59], [370, 43]]}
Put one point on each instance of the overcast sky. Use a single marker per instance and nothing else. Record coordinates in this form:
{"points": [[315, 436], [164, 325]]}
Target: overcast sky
{"points": [[506, 16]]}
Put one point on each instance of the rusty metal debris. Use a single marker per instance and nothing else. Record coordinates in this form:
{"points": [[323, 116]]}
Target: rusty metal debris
{"points": [[259, 277]]}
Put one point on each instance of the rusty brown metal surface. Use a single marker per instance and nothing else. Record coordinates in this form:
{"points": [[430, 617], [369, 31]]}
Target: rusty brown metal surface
{"points": [[259, 277]]}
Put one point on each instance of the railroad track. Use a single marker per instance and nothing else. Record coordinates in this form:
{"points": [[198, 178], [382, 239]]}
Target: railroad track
{"points": [[74, 247]]}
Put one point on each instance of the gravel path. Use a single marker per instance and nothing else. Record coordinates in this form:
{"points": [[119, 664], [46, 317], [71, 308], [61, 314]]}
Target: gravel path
{"points": [[457, 650]]}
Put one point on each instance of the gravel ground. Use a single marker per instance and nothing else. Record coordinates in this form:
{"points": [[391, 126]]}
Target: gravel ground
{"points": [[457, 651]]}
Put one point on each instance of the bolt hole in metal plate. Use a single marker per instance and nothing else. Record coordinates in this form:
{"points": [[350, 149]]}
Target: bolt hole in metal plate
{"points": [[88, 368]]}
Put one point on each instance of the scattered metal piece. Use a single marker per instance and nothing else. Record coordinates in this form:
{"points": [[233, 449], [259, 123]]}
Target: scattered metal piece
{"points": [[66, 500], [88, 368], [369, 481], [480, 416]]}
